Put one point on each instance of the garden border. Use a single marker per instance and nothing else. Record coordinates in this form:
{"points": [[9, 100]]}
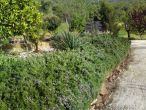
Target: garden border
{"points": [[110, 84]]}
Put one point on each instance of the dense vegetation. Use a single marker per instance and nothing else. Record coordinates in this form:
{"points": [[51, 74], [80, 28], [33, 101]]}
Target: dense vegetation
{"points": [[70, 77], [32, 19], [114, 16], [67, 80]]}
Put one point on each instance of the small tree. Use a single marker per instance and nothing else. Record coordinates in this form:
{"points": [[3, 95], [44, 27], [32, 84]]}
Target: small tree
{"points": [[34, 36], [126, 20], [138, 21], [135, 17], [19, 18]]}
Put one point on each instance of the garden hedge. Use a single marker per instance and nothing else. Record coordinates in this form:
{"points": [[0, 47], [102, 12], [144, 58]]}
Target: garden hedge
{"points": [[61, 80]]}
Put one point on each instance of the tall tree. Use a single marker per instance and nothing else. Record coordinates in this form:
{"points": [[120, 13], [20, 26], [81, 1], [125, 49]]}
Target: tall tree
{"points": [[105, 12], [110, 18]]}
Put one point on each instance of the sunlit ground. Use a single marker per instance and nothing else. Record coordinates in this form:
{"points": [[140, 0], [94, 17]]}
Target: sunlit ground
{"points": [[123, 33]]}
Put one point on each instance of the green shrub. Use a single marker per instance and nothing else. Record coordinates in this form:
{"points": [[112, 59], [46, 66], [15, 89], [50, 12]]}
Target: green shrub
{"points": [[63, 80], [67, 40], [51, 22], [64, 27], [78, 22]]}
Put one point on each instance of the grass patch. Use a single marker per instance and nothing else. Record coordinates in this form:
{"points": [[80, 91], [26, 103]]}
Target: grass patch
{"points": [[123, 34]]}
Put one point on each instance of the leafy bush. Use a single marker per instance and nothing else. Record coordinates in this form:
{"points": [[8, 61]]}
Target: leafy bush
{"points": [[64, 27], [78, 22], [67, 40], [63, 80], [51, 22]]}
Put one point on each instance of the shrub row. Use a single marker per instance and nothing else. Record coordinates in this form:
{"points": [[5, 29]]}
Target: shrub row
{"points": [[62, 80]]}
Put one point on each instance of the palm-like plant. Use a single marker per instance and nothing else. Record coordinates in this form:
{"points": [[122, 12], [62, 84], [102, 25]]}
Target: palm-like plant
{"points": [[67, 40]]}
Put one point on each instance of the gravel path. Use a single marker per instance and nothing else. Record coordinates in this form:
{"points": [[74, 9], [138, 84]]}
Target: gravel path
{"points": [[131, 91]]}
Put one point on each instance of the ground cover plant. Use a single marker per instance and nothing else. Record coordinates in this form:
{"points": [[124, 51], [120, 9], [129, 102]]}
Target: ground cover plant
{"points": [[61, 80]]}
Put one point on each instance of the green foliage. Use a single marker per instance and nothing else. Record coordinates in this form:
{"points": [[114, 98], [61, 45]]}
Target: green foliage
{"points": [[67, 40], [63, 80], [111, 16], [75, 12], [63, 27], [105, 12], [46, 6], [137, 17], [115, 29], [19, 18], [78, 23], [132, 14], [34, 36], [51, 22]]}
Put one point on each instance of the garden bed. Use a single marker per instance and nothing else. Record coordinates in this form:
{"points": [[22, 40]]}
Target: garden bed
{"points": [[62, 80]]}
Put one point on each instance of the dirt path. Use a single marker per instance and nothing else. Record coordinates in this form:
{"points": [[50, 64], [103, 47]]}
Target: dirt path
{"points": [[131, 91]]}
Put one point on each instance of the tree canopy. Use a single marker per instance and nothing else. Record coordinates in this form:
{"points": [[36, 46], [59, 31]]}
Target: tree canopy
{"points": [[19, 18]]}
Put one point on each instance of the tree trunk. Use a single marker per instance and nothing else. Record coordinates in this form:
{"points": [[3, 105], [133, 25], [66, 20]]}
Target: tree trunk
{"points": [[36, 46], [25, 42], [127, 28], [128, 32]]}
